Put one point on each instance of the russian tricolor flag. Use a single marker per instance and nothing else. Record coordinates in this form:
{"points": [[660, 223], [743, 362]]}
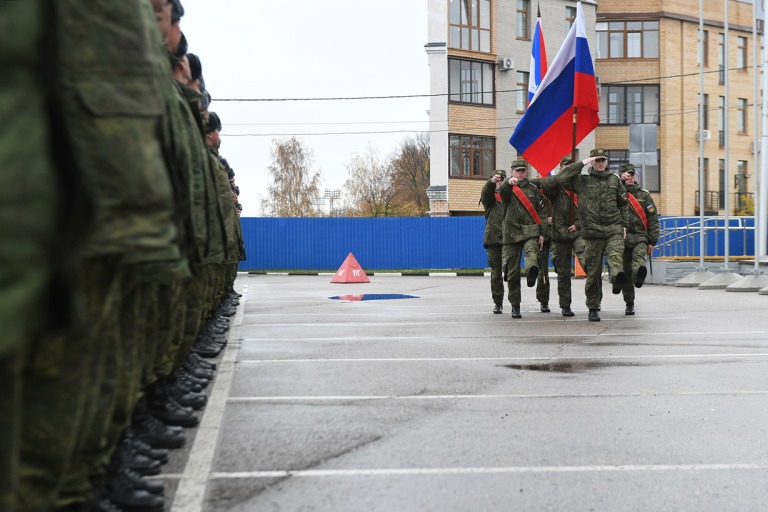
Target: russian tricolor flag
{"points": [[538, 60], [567, 96]]}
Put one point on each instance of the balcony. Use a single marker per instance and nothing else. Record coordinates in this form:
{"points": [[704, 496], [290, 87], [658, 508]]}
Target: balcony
{"points": [[714, 201]]}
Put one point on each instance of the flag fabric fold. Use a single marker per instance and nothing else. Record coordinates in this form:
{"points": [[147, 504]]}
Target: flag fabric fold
{"points": [[566, 95], [538, 60]]}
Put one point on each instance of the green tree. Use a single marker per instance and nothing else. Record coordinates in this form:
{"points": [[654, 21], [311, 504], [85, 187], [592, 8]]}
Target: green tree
{"points": [[295, 185]]}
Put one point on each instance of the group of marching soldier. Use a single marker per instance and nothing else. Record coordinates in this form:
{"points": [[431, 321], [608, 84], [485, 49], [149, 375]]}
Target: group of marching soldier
{"points": [[583, 210], [119, 244]]}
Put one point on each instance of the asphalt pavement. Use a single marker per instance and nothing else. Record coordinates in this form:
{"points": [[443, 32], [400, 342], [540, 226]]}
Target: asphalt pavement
{"points": [[408, 394]]}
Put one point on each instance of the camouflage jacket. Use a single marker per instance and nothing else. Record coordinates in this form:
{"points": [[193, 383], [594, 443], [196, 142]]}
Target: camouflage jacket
{"points": [[494, 216], [637, 232], [519, 224]]}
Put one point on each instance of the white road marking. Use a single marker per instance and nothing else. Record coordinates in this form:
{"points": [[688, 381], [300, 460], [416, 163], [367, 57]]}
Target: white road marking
{"points": [[315, 473], [190, 494], [550, 360], [341, 398]]}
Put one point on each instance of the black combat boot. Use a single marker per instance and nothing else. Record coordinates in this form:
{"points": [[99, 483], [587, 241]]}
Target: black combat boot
{"points": [[516, 312], [497, 309], [618, 282], [567, 311], [630, 309], [594, 316], [533, 273], [640, 279], [545, 307]]}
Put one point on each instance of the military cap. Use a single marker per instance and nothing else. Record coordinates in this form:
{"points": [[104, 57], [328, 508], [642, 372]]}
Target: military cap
{"points": [[214, 123], [520, 163], [500, 172], [177, 11], [195, 66], [627, 168], [205, 102], [566, 160], [181, 50], [599, 153]]}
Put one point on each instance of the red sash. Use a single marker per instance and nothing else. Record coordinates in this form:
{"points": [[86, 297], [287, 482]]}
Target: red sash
{"points": [[527, 203], [635, 205], [574, 197], [498, 197]]}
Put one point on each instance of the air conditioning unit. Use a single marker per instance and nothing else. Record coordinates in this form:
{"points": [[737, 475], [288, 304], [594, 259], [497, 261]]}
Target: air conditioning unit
{"points": [[703, 135], [506, 64]]}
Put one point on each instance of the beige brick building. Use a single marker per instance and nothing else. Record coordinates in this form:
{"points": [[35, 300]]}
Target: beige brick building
{"points": [[646, 61]]}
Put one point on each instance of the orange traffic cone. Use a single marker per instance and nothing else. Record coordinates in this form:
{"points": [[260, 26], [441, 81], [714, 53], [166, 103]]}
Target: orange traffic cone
{"points": [[580, 274]]}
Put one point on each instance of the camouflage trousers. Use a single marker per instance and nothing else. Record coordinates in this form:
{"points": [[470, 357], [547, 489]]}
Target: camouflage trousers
{"points": [[528, 250], [497, 276], [634, 258], [194, 297], [10, 425], [62, 386], [113, 399], [594, 250], [563, 261]]}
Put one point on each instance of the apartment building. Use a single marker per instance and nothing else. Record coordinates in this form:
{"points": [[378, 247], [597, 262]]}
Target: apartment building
{"points": [[646, 62]]}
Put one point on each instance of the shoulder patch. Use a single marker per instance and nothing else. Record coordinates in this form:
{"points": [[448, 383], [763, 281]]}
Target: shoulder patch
{"points": [[651, 208], [624, 196]]}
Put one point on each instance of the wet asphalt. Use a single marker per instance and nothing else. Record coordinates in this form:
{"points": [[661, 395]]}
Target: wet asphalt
{"points": [[408, 394]]}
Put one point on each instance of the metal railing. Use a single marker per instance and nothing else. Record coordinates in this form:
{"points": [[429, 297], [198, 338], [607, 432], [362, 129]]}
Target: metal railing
{"points": [[679, 236]]}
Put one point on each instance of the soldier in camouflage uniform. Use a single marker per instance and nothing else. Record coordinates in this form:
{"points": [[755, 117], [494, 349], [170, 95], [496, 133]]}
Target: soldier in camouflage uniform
{"points": [[42, 217], [524, 209], [604, 216], [493, 236], [106, 89], [642, 235], [566, 235]]}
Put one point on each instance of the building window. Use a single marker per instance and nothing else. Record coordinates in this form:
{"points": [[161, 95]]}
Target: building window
{"points": [[721, 185], [721, 58], [470, 27], [741, 116], [472, 156], [650, 177], [704, 50], [629, 104], [627, 39], [522, 91], [570, 17], [705, 111], [721, 121], [470, 82], [741, 53], [523, 20]]}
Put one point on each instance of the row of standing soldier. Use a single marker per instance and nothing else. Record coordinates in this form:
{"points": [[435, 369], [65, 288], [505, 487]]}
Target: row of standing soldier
{"points": [[119, 241], [583, 210]]}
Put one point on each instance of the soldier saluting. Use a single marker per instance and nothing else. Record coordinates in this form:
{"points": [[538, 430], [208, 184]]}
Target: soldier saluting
{"points": [[524, 215], [604, 216]]}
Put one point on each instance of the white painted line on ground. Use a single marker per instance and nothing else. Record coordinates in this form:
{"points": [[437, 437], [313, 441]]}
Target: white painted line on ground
{"points": [[315, 473], [190, 494], [551, 360], [256, 399], [761, 336]]}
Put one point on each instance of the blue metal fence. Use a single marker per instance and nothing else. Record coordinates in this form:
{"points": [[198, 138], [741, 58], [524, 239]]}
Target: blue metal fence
{"points": [[430, 242]]}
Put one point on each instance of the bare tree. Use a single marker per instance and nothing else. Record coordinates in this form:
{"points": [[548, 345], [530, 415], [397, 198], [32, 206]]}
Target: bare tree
{"points": [[410, 172], [295, 186], [369, 190]]}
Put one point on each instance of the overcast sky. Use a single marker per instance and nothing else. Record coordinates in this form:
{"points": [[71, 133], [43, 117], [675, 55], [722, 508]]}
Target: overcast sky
{"points": [[257, 49]]}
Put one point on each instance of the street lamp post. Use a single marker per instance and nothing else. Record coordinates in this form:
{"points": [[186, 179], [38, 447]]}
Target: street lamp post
{"points": [[332, 195]]}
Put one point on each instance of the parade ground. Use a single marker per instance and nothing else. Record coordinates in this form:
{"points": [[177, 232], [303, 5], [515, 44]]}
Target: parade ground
{"points": [[408, 394]]}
